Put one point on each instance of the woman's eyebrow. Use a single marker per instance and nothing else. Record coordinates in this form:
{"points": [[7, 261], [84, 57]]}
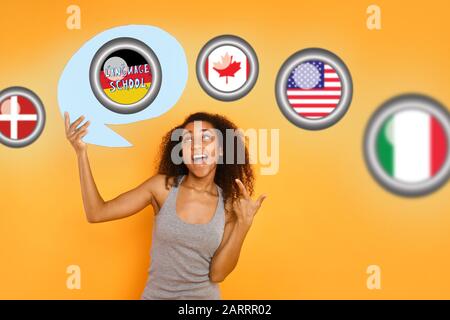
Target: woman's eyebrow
{"points": [[190, 131]]}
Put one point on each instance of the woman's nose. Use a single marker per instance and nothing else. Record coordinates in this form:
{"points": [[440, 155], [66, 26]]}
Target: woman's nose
{"points": [[197, 147]]}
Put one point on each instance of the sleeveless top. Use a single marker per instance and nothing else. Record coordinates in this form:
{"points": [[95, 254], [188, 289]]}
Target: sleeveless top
{"points": [[181, 253]]}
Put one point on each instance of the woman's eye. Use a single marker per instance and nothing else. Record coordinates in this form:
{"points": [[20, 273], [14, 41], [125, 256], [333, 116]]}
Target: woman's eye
{"points": [[207, 137], [187, 139]]}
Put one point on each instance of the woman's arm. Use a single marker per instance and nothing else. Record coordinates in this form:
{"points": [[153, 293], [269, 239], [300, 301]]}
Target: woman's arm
{"points": [[124, 205], [227, 255], [96, 209]]}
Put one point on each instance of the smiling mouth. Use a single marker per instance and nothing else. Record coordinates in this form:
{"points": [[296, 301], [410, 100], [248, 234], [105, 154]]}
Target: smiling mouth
{"points": [[199, 158]]}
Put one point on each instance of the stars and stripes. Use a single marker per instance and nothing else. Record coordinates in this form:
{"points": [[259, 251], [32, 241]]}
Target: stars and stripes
{"points": [[313, 89]]}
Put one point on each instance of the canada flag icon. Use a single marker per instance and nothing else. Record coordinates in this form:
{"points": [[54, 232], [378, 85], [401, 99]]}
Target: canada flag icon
{"points": [[227, 68]]}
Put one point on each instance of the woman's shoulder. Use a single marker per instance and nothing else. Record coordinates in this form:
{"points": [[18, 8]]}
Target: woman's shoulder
{"points": [[160, 185], [161, 182]]}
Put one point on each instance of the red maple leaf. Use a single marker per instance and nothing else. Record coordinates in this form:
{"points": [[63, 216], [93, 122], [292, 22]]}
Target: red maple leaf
{"points": [[226, 67]]}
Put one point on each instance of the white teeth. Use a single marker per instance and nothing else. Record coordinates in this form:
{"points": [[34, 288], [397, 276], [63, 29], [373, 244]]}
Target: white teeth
{"points": [[198, 157]]}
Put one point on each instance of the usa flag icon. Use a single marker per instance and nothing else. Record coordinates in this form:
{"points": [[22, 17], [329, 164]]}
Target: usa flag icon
{"points": [[314, 89], [22, 117]]}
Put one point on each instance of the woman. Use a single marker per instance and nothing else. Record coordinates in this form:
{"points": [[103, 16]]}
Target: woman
{"points": [[203, 206]]}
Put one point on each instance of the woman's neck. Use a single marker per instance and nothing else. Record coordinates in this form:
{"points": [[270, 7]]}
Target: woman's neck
{"points": [[203, 184]]}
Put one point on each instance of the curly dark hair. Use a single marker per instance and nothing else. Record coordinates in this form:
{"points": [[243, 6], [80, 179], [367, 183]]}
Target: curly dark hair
{"points": [[226, 172]]}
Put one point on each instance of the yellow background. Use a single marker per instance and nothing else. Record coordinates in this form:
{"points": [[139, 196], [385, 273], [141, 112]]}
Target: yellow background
{"points": [[325, 219]]}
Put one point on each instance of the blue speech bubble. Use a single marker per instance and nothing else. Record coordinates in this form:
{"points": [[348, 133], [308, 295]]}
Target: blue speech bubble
{"points": [[77, 98]]}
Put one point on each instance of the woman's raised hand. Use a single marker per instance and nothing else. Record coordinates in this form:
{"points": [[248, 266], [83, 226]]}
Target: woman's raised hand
{"points": [[245, 208], [74, 134]]}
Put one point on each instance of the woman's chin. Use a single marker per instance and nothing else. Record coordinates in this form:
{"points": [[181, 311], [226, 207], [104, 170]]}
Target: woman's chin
{"points": [[201, 170]]}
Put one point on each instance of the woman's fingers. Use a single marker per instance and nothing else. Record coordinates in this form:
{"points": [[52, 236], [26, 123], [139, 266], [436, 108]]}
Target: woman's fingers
{"points": [[75, 124], [80, 134], [242, 188], [66, 121], [81, 128], [84, 126], [260, 200]]}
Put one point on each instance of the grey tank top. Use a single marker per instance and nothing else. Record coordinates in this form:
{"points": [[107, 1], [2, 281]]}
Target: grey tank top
{"points": [[181, 253]]}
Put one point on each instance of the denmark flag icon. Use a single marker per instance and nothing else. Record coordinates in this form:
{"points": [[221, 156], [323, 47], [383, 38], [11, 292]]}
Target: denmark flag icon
{"points": [[22, 117]]}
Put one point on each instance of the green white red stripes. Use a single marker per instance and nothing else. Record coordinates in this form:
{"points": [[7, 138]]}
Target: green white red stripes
{"points": [[411, 146]]}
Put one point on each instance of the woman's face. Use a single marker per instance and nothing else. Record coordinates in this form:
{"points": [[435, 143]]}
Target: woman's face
{"points": [[201, 148]]}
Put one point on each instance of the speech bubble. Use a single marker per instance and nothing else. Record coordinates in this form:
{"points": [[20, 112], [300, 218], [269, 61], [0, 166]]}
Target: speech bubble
{"points": [[77, 98]]}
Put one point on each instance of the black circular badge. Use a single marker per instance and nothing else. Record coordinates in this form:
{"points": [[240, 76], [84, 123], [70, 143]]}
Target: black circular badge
{"points": [[125, 75]]}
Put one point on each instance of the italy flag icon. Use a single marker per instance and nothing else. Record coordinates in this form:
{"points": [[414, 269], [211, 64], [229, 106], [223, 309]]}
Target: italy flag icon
{"points": [[411, 146]]}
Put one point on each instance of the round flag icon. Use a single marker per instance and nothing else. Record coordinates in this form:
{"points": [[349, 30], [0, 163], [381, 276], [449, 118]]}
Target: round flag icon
{"points": [[407, 145], [227, 68], [125, 75], [314, 89], [22, 117]]}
